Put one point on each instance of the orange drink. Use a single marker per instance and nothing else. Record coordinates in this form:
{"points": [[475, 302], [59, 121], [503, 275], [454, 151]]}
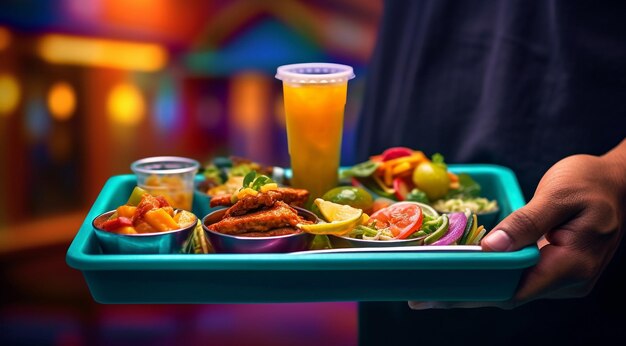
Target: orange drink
{"points": [[315, 98]]}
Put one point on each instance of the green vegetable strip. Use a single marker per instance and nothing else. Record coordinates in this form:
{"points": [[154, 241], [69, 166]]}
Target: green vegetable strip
{"points": [[479, 237], [418, 234], [439, 232], [468, 228], [361, 170]]}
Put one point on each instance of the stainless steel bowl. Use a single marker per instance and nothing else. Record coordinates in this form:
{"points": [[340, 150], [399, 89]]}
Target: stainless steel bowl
{"points": [[347, 242], [224, 243], [169, 242]]}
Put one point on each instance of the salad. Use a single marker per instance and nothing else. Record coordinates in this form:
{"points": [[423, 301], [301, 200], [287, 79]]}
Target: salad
{"points": [[225, 175], [399, 221], [403, 174]]}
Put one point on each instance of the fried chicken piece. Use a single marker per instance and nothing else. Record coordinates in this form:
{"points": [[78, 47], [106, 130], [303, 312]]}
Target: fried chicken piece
{"points": [[251, 203], [291, 196], [295, 197], [223, 200], [278, 216]]}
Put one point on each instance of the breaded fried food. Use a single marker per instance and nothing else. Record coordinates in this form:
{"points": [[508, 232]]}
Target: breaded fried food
{"points": [[223, 200], [278, 216], [291, 196], [250, 203]]}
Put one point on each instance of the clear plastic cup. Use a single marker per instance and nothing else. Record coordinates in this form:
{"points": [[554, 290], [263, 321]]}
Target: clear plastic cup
{"points": [[315, 99], [169, 176]]}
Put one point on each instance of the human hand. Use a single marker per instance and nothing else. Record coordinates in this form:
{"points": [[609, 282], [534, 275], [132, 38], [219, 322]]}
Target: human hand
{"points": [[579, 207]]}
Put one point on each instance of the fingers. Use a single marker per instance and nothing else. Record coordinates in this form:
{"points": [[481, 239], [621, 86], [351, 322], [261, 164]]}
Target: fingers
{"points": [[560, 273], [526, 225]]}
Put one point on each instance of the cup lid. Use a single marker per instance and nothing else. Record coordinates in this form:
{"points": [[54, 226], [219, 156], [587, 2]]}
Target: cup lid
{"points": [[165, 165], [315, 73]]}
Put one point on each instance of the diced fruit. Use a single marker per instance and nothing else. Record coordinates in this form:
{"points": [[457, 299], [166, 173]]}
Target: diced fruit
{"points": [[160, 220], [126, 211], [126, 230], [269, 187], [185, 218], [114, 224], [144, 227], [135, 196], [245, 192]]}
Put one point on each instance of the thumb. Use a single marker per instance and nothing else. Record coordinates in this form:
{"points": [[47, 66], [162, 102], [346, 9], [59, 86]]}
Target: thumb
{"points": [[525, 226]]}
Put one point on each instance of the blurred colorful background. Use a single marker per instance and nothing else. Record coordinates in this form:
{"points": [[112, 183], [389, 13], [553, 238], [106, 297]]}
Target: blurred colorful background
{"points": [[87, 87]]}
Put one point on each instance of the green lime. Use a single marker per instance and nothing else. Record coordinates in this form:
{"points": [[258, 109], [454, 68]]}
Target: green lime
{"points": [[353, 196]]}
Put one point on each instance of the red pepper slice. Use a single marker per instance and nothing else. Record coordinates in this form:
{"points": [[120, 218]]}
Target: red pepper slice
{"points": [[403, 219], [395, 152], [402, 188]]}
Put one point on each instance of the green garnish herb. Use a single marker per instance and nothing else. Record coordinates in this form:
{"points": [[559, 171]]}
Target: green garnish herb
{"points": [[361, 170], [255, 181]]}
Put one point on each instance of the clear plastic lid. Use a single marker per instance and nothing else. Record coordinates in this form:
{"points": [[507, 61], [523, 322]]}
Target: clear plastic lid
{"points": [[165, 165], [315, 73]]}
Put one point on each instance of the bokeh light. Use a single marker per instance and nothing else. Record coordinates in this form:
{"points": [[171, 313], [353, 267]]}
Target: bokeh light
{"points": [[9, 94], [5, 38], [93, 52], [126, 105], [61, 101]]}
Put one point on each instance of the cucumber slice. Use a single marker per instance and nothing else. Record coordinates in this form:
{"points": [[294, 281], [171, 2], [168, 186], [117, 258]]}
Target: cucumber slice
{"points": [[468, 228]]}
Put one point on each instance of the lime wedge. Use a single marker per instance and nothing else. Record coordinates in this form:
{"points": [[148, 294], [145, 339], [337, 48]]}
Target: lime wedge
{"points": [[342, 218]]}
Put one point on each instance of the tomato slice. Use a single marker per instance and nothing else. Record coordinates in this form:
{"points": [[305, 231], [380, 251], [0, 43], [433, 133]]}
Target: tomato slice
{"points": [[403, 219]]}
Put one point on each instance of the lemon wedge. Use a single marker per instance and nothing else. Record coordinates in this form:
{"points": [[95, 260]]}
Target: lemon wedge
{"points": [[341, 218]]}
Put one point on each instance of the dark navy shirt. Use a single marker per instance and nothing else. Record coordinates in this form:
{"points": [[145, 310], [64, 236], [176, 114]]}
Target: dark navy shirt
{"points": [[517, 83]]}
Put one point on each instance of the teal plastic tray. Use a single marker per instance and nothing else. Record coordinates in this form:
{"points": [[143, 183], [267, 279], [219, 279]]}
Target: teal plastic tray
{"points": [[265, 278]]}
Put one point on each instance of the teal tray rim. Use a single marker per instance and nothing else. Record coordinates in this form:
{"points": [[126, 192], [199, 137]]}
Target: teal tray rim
{"points": [[78, 258]]}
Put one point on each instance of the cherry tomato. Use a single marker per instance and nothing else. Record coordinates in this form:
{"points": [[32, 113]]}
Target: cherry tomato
{"points": [[403, 219], [395, 152]]}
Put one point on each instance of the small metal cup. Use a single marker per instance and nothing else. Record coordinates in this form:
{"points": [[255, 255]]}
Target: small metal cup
{"points": [[224, 243], [169, 242]]}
